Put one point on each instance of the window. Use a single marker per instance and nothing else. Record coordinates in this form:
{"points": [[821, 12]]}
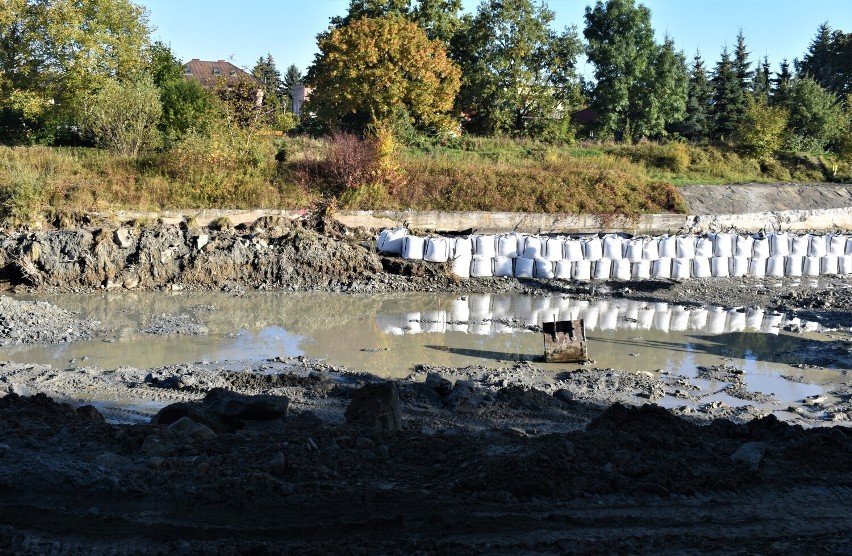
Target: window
{"points": [[187, 71], [217, 71]]}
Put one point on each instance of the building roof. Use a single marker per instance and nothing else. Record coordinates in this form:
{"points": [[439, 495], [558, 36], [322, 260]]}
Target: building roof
{"points": [[209, 73]]}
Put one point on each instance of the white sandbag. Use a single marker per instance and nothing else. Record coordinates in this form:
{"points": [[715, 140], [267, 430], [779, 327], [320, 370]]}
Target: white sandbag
{"points": [[828, 265], [437, 250], [461, 265], [613, 247], [775, 266], [762, 248], [844, 264], [543, 268], [603, 267], [553, 250], [720, 267], [413, 248], [563, 270], [620, 269], [818, 246], [701, 267], [504, 266], [757, 267], [723, 245], [390, 241], [633, 250], [509, 245], [811, 266], [479, 305], [462, 247], [744, 246], [799, 245], [849, 246], [583, 270], [593, 249], [640, 270], [704, 248], [837, 245], [524, 267], [573, 250], [685, 247], [793, 265], [485, 246], [661, 268], [668, 247], [681, 269], [739, 266], [651, 249], [533, 248], [779, 245], [481, 267]]}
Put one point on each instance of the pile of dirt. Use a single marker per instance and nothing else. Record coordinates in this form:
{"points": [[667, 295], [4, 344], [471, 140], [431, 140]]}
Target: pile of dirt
{"points": [[38, 322]]}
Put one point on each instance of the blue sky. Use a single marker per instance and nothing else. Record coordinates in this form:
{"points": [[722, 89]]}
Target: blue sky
{"points": [[244, 31]]}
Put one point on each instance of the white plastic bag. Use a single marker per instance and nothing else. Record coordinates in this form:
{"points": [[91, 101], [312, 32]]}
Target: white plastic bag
{"points": [[828, 265], [704, 248], [543, 268], [573, 250], [532, 247], [620, 269], [799, 245], [701, 267], [793, 265], [485, 246], [775, 266], [811, 266], [508, 245], [757, 267], [739, 266], [837, 245], [651, 249], [723, 245], [745, 246], [633, 250], [390, 241], [761, 249], [563, 270], [524, 267], [503, 266], [681, 269], [661, 268], [463, 246], [720, 267], [603, 268], [461, 265], [437, 250], [844, 264], [685, 247], [668, 247], [612, 247], [593, 249], [640, 270], [482, 267], [583, 269], [779, 245], [554, 248], [818, 246], [413, 248]]}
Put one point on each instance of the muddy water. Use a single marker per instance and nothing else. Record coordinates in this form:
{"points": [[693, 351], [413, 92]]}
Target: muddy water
{"points": [[388, 335]]}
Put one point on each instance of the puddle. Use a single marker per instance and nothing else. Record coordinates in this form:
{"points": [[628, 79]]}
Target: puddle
{"points": [[389, 334]]}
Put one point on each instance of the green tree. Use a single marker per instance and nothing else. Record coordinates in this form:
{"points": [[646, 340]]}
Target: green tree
{"points": [[273, 86], [761, 84], [518, 75], [780, 93], [164, 65], [292, 77], [368, 69], [762, 132], [828, 60], [54, 54], [186, 106], [695, 125], [817, 120], [123, 116], [727, 99], [742, 65]]}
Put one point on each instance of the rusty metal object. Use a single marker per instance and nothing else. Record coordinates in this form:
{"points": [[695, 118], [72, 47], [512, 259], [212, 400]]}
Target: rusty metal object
{"points": [[565, 341]]}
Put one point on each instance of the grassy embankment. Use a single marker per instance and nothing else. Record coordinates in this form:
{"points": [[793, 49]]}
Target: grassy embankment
{"points": [[53, 184]]}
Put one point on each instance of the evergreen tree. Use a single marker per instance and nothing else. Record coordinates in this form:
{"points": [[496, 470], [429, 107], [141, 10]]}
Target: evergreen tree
{"points": [[267, 72], [828, 60], [780, 94], [727, 97], [742, 65], [670, 86], [292, 77], [760, 85], [696, 125]]}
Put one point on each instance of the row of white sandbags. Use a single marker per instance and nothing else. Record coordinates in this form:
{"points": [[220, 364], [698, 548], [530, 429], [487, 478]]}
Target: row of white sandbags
{"points": [[678, 269], [612, 246]]}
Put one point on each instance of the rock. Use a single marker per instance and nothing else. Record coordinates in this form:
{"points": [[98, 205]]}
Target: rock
{"points": [[89, 413], [188, 428], [749, 454], [376, 406], [438, 383], [153, 445], [201, 241], [123, 237], [231, 405], [564, 395], [364, 443], [278, 465], [131, 281], [196, 412]]}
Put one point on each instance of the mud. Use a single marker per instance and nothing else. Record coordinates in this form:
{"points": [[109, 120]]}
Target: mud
{"points": [[514, 459]]}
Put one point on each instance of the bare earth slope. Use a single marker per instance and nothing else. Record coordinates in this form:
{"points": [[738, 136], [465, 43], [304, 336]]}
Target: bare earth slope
{"points": [[760, 197]]}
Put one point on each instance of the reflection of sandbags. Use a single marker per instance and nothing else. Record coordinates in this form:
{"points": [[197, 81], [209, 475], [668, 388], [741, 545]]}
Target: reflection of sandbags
{"points": [[524, 267], [508, 245], [651, 249], [501, 305], [434, 321], [573, 250], [583, 270], [754, 318], [701, 267], [811, 266], [640, 270], [482, 267], [412, 323], [717, 318], [563, 270], [771, 322], [844, 264], [485, 246], [459, 311], [543, 268], [461, 265], [463, 246], [723, 245], [698, 318], [744, 246], [503, 266], [680, 319], [437, 250], [761, 248], [668, 247], [703, 248], [633, 250], [603, 267], [828, 265], [779, 245], [736, 320], [793, 265], [661, 268], [775, 266], [818, 246], [799, 245], [593, 249], [390, 241], [620, 269], [720, 267], [662, 320], [553, 250], [479, 305], [532, 247], [837, 245], [685, 247], [612, 247], [608, 319], [681, 269], [739, 266], [413, 247]]}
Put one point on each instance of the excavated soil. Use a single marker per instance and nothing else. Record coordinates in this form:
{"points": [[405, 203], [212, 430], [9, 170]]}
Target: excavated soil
{"points": [[490, 461]]}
